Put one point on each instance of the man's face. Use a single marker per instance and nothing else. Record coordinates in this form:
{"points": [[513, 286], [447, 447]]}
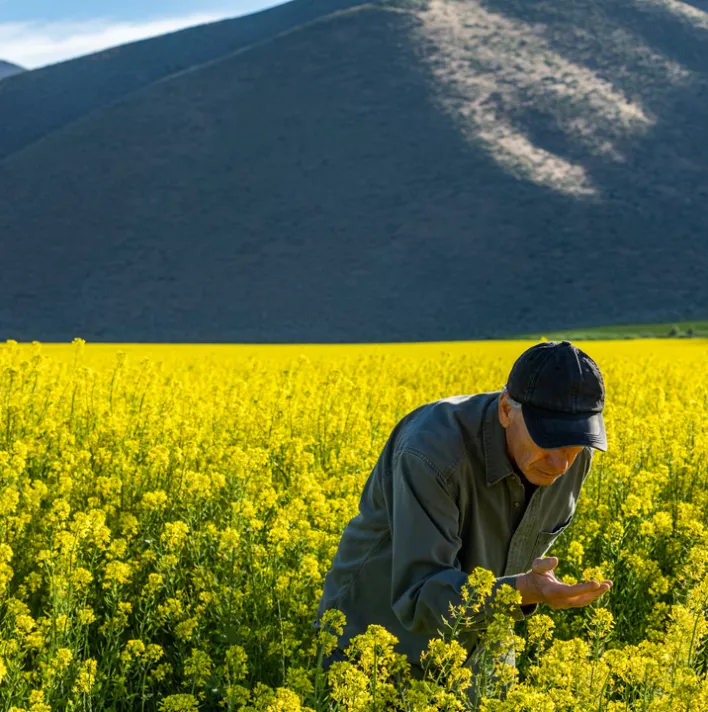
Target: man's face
{"points": [[541, 467]]}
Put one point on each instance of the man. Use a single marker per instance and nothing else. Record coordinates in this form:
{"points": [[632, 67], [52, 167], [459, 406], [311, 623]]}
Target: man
{"points": [[489, 480]]}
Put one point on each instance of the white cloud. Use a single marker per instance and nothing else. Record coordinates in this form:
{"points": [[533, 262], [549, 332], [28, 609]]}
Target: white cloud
{"points": [[35, 44]]}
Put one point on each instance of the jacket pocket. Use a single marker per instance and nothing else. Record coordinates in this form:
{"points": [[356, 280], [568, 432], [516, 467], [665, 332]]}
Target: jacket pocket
{"points": [[546, 539]]}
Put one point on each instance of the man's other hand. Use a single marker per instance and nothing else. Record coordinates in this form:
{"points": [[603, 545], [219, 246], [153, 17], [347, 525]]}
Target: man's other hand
{"points": [[540, 585]]}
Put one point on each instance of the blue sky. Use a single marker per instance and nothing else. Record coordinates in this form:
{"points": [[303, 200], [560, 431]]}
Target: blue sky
{"points": [[34, 33]]}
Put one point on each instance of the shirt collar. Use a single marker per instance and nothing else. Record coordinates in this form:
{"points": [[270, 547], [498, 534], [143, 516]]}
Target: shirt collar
{"points": [[496, 460]]}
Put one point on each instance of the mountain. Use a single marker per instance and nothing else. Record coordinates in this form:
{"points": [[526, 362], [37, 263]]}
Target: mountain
{"points": [[385, 171], [7, 69], [75, 88]]}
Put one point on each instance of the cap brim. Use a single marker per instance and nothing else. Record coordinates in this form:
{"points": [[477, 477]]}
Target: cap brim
{"points": [[551, 429]]}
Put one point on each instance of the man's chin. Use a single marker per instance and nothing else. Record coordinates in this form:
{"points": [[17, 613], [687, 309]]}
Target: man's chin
{"points": [[541, 478]]}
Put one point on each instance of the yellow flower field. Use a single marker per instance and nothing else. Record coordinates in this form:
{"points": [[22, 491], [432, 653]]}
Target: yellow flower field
{"points": [[168, 513]]}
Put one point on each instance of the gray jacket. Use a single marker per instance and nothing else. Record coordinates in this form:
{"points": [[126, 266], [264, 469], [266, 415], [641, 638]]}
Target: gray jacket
{"points": [[442, 499]]}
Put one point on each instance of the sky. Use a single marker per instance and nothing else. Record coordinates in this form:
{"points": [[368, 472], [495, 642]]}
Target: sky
{"points": [[34, 33]]}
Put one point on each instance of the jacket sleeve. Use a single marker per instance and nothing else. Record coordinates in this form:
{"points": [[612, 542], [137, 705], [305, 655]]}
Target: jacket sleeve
{"points": [[426, 572]]}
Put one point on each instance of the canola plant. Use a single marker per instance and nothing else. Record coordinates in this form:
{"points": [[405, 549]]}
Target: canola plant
{"points": [[168, 514]]}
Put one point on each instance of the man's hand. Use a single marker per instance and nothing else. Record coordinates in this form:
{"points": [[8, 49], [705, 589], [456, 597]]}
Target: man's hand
{"points": [[540, 585]]}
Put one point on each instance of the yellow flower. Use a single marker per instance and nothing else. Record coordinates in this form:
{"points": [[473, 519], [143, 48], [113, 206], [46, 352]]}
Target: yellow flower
{"points": [[118, 573], [86, 678], [175, 535], [154, 652], [178, 703], [602, 622], [540, 629], [594, 573], [185, 629], [86, 615], [37, 703], [133, 649], [81, 578], [154, 501], [663, 523], [237, 662], [575, 553], [197, 667]]}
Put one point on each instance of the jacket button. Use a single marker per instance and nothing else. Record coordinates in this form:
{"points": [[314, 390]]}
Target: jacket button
{"points": [[517, 505]]}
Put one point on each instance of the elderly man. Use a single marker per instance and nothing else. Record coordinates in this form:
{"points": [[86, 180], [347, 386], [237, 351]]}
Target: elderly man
{"points": [[489, 480]]}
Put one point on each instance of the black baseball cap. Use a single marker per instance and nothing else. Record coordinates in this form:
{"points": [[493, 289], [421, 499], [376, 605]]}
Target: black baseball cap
{"points": [[562, 395]]}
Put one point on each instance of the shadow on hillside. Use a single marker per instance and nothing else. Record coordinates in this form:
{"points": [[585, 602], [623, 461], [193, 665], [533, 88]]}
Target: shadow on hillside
{"points": [[638, 250]]}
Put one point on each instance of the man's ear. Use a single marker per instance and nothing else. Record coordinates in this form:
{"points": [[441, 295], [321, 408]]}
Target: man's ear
{"points": [[504, 411]]}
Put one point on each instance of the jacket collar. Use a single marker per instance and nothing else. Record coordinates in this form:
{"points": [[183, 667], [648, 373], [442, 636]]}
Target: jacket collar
{"points": [[496, 461]]}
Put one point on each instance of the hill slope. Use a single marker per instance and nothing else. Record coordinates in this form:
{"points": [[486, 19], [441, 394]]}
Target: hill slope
{"points": [[450, 170], [7, 69], [75, 88]]}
